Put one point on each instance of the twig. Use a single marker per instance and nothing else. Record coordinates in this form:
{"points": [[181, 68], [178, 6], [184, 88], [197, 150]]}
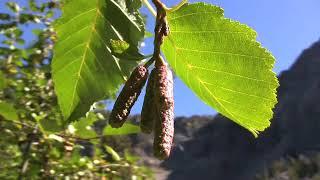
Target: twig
{"points": [[78, 138], [148, 5], [176, 7], [148, 63], [18, 123], [25, 154]]}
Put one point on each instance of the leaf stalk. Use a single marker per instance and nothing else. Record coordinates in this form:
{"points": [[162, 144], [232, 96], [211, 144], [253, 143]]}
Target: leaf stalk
{"points": [[161, 30]]}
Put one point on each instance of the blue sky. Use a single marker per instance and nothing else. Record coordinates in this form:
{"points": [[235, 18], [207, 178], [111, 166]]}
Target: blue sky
{"points": [[285, 27]]}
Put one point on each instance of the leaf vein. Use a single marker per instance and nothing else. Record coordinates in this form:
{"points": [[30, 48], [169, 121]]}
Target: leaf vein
{"points": [[66, 52], [229, 73], [81, 65], [239, 92], [213, 31], [68, 37], [191, 14], [67, 65], [227, 111], [223, 53], [77, 16]]}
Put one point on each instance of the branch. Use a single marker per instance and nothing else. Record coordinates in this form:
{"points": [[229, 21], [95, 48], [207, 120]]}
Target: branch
{"points": [[25, 154], [16, 122], [161, 29]]}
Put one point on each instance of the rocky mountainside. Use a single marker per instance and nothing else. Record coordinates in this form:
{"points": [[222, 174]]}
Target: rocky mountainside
{"points": [[216, 148], [222, 150]]}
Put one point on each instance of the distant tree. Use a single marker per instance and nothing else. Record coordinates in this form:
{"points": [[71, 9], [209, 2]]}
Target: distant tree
{"points": [[34, 142]]}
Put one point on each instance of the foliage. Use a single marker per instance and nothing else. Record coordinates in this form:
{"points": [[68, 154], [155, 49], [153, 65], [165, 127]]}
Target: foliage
{"points": [[303, 167], [83, 56], [35, 142], [222, 63], [52, 87], [230, 70]]}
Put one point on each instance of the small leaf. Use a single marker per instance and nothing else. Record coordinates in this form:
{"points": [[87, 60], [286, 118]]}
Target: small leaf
{"points": [[4, 16], [124, 130], [37, 32], [220, 60], [84, 127], [123, 50], [7, 26], [148, 34], [115, 156], [49, 14], [50, 125], [33, 5], [119, 46], [3, 81], [13, 6], [17, 32], [7, 111], [20, 41], [84, 68]]}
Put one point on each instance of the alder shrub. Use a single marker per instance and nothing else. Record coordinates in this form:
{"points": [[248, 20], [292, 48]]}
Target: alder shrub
{"points": [[98, 46]]}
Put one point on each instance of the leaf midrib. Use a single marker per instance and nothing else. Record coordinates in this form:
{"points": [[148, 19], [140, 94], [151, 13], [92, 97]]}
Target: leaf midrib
{"points": [[82, 62], [87, 47]]}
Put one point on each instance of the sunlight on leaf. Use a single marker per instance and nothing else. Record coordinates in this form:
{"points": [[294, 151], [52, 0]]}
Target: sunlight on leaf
{"points": [[220, 60], [84, 68]]}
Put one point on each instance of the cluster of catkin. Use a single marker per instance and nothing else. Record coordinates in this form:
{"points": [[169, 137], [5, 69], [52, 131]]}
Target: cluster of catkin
{"points": [[157, 113]]}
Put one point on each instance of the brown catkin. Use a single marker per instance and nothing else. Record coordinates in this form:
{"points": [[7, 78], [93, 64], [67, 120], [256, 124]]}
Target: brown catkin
{"points": [[148, 109], [128, 96], [164, 103]]}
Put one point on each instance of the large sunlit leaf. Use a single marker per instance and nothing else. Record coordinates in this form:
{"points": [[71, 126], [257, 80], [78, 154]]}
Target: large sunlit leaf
{"points": [[221, 61], [84, 69]]}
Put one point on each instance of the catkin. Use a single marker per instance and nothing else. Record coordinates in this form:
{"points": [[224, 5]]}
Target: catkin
{"points": [[148, 114], [128, 96], [164, 105]]}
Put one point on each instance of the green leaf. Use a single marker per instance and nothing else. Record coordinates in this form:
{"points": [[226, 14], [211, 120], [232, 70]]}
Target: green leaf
{"points": [[37, 32], [50, 125], [123, 50], [130, 157], [124, 130], [84, 127], [119, 46], [5, 16], [148, 34], [3, 81], [221, 61], [84, 69], [14, 7], [7, 111], [115, 156]]}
